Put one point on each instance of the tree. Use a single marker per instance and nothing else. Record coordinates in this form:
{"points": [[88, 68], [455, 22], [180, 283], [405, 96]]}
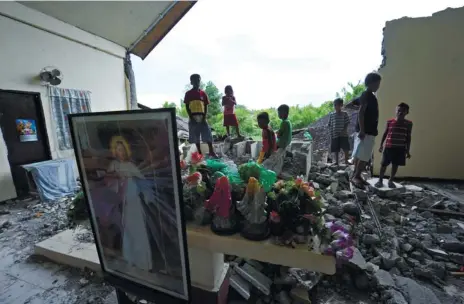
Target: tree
{"points": [[168, 104], [352, 91], [215, 99]]}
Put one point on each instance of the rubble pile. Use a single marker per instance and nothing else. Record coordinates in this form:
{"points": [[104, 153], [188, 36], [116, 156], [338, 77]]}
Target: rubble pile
{"points": [[37, 219], [409, 245], [418, 238], [319, 132]]}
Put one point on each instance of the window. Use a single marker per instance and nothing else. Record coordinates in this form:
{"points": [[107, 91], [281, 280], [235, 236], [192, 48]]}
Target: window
{"points": [[64, 102]]}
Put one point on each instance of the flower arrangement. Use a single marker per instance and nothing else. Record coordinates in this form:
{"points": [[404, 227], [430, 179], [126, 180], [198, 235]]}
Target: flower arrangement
{"points": [[341, 241], [296, 210]]}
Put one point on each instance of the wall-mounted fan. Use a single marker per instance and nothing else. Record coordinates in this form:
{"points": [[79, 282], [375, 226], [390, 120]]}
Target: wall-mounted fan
{"points": [[50, 76]]}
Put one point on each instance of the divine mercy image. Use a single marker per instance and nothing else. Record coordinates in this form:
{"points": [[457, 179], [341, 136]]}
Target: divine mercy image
{"points": [[129, 169]]}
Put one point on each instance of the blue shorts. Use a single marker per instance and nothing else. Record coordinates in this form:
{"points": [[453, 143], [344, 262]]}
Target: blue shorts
{"points": [[199, 131]]}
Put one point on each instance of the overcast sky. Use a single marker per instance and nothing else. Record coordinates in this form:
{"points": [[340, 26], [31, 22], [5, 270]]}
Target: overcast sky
{"points": [[273, 52]]}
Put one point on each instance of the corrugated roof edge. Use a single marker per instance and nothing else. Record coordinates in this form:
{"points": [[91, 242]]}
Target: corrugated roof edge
{"points": [[163, 26]]}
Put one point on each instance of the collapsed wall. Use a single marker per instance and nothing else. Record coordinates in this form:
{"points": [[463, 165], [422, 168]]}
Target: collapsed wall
{"points": [[425, 69]]}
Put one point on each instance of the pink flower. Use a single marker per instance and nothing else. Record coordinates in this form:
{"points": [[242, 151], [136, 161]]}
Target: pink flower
{"points": [[345, 254]]}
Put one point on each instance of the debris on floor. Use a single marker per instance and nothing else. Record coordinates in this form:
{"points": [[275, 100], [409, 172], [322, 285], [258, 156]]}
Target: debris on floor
{"points": [[409, 243], [409, 247], [30, 279]]}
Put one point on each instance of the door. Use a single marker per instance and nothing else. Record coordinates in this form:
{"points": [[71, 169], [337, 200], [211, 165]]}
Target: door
{"points": [[25, 137]]}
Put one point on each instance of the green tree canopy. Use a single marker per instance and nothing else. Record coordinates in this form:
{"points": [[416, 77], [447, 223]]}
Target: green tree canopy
{"points": [[168, 104], [352, 91]]}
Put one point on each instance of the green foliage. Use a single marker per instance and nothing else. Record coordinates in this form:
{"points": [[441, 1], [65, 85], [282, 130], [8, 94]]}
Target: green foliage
{"points": [[77, 210], [352, 91], [168, 104], [300, 116], [249, 170]]}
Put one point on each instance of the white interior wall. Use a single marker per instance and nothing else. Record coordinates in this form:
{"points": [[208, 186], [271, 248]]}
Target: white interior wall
{"points": [[25, 50]]}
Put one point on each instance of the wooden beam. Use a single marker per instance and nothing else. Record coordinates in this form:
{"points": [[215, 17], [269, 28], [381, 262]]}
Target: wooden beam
{"points": [[164, 26]]}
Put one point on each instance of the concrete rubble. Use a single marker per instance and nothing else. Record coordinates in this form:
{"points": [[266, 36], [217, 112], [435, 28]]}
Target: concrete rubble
{"points": [[25, 278], [410, 258], [406, 257]]}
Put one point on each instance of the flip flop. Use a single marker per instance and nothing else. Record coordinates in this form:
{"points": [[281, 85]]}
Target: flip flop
{"points": [[378, 184], [391, 185]]}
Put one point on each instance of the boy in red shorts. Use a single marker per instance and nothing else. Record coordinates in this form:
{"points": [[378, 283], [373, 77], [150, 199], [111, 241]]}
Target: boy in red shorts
{"points": [[229, 102], [196, 102], [397, 138]]}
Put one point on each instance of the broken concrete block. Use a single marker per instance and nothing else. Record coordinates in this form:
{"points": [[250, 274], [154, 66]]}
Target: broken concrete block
{"points": [[240, 285], [300, 160], [394, 297], [385, 191], [248, 146], [415, 293], [256, 278], [239, 148], [358, 260], [413, 188], [255, 148], [307, 147], [383, 279], [295, 145]]}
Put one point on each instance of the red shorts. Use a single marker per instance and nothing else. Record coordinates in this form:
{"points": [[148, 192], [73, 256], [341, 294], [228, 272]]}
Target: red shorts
{"points": [[230, 120]]}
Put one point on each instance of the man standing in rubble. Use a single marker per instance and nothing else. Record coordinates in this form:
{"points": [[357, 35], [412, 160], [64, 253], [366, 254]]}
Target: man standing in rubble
{"points": [[366, 128]]}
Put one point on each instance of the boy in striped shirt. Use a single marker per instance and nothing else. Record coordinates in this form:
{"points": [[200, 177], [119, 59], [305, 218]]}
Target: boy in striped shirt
{"points": [[397, 138], [338, 128]]}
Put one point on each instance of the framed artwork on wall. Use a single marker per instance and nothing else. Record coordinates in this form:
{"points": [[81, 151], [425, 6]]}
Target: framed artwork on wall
{"points": [[129, 167]]}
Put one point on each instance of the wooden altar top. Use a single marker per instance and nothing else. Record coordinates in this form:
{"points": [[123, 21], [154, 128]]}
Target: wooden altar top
{"points": [[202, 237]]}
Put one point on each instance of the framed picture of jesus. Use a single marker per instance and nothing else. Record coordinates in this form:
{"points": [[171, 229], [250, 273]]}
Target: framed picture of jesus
{"points": [[129, 167]]}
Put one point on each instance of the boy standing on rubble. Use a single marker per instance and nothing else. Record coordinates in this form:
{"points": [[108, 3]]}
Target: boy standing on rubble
{"points": [[397, 138], [284, 137], [196, 103], [366, 127], [338, 131], [269, 139]]}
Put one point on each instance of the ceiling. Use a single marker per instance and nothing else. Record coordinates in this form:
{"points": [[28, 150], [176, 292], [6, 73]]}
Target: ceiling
{"points": [[137, 26]]}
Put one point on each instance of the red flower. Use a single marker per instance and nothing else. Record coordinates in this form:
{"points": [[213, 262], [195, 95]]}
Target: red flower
{"points": [[275, 217], [196, 158], [195, 178]]}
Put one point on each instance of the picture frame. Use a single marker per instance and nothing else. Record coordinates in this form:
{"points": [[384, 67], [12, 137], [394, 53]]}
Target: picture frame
{"points": [[129, 166]]}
